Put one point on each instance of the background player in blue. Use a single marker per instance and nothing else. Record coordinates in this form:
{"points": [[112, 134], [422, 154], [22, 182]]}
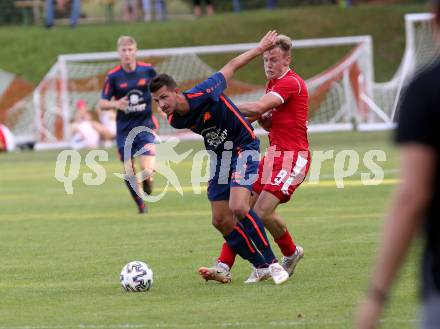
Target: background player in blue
{"points": [[126, 90], [207, 111]]}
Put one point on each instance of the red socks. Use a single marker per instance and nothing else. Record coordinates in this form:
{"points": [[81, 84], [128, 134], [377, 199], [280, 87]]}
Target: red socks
{"points": [[286, 244], [227, 255]]}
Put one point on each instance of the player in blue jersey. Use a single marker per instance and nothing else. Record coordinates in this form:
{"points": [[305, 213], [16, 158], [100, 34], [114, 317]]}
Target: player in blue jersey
{"points": [[234, 151], [126, 91]]}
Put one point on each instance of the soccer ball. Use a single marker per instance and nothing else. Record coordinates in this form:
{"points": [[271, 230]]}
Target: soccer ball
{"points": [[136, 277]]}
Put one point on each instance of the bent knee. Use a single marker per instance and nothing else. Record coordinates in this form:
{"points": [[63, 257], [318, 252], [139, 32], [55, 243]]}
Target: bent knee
{"points": [[217, 222], [147, 172], [224, 225], [239, 210], [262, 212]]}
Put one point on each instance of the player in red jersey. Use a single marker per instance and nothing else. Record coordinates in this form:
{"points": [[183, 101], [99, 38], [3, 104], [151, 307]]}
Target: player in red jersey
{"points": [[283, 112], [205, 110]]}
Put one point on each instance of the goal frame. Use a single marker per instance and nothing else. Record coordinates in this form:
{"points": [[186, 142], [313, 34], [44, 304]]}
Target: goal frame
{"points": [[363, 43]]}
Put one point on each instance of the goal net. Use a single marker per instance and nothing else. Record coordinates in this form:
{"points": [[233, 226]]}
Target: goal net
{"points": [[343, 97], [336, 95], [420, 51]]}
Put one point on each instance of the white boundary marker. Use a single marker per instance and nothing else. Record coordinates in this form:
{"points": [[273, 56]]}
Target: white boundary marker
{"points": [[234, 324]]}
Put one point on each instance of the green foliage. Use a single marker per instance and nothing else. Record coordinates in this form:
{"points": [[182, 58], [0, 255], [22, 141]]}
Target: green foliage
{"points": [[9, 14], [35, 49]]}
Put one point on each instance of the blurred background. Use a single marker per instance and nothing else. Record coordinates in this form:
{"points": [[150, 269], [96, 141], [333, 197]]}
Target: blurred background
{"points": [[52, 67], [35, 107]]}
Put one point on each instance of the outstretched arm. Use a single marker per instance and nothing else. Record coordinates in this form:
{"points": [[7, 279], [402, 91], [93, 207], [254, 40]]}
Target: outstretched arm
{"points": [[264, 104], [267, 42]]}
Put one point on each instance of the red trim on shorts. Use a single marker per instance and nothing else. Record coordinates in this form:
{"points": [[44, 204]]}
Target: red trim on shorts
{"points": [[248, 216], [230, 107], [238, 229], [151, 148]]}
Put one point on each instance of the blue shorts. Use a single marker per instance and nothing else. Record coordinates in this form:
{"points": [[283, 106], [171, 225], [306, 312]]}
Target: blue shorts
{"points": [[241, 170], [142, 143]]}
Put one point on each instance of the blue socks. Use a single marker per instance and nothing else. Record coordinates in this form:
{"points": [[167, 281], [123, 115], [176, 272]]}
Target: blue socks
{"points": [[243, 245], [254, 228]]}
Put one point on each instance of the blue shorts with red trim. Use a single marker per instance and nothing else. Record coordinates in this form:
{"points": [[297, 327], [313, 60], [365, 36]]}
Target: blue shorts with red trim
{"points": [[142, 143], [235, 168]]}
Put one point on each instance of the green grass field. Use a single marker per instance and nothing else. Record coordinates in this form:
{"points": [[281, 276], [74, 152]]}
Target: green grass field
{"points": [[61, 254]]}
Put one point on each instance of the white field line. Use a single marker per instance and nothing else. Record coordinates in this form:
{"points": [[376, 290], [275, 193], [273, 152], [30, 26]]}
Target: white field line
{"points": [[235, 324], [358, 175], [306, 184], [322, 183]]}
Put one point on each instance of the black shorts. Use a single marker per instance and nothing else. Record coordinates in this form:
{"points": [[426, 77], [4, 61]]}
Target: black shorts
{"points": [[197, 2]]}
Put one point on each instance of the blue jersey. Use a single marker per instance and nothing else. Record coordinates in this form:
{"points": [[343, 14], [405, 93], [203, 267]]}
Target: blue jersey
{"points": [[213, 115], [134, 85]]}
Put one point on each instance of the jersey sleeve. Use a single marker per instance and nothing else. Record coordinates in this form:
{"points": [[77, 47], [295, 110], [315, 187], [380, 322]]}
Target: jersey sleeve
{"points": [[212, 88], [416, 121], [107, 90], [285, 88], [151, 73]]}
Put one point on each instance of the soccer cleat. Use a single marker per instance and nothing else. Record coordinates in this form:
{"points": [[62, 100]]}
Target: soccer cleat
{"points": [[279, 274], [259, 274], [219, 273], [289, 263]]}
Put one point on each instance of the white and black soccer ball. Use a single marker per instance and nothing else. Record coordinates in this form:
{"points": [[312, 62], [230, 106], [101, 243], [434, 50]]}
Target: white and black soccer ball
{"points": [[136, 277]]}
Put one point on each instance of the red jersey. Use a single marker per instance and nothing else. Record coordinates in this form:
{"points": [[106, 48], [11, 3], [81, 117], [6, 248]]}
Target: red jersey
{"points": [[288, 130]]}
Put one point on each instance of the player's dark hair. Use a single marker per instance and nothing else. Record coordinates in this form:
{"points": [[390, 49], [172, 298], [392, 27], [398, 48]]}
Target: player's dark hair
{"points": [[162, 80]]}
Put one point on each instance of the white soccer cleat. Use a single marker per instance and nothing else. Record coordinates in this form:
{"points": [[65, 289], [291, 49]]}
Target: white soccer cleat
{"points": [[289, 263], [279, 274], [220, 273], [259, 274]]}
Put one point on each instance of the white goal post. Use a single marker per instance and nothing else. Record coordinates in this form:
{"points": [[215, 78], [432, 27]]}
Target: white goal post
{"points": [[421, 50], [343, 97], [337, 95]]}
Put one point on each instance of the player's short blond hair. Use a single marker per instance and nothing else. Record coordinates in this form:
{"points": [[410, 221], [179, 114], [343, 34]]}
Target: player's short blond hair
{"points": [[124, 40], [284, 43]]}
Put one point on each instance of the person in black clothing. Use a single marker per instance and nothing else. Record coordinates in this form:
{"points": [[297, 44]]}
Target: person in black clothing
{"points": [[416, 204], [198, 8]]}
